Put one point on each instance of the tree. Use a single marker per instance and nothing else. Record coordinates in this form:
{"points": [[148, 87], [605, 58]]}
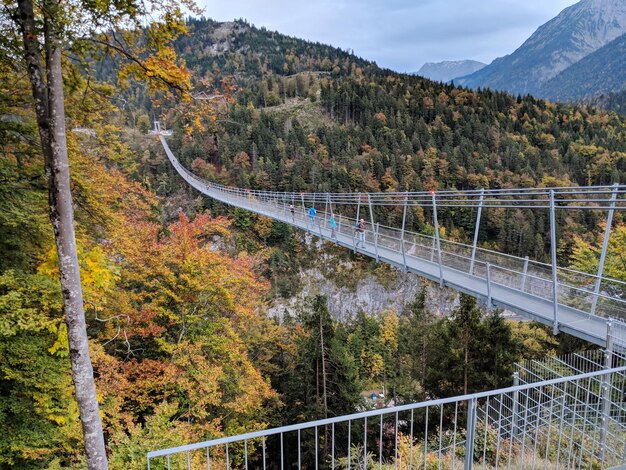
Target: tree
{"points": [[47, 28], [470, 352]]}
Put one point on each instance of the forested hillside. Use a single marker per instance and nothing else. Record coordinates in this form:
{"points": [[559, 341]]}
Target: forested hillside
{"points": [[327, 121], [177, 288]]}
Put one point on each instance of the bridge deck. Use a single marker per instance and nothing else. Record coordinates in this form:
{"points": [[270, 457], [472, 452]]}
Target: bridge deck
{"points": [[498, 289]]}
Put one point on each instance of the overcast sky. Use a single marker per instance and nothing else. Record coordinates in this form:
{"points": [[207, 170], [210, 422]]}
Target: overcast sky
{"points": [[400, 34]]}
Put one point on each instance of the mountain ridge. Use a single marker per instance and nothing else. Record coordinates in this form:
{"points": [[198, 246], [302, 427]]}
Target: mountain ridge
{"points": [[447, 70], [575, 32], [602, 71]]}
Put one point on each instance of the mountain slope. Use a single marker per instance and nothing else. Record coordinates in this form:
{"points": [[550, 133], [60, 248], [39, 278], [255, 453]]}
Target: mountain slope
{"points": [[602, 71], [576, 32], [449, 69]]}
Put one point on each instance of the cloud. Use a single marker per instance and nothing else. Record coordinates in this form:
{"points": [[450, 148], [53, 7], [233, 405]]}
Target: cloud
{"points": [[401, 34]]}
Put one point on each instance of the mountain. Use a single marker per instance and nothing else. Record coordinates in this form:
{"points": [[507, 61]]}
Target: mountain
{"points": [[603, 71], [574, 33], [449, 69]]}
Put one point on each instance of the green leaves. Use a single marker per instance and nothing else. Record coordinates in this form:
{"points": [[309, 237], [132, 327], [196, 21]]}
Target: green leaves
{"points": [[28, 304]]}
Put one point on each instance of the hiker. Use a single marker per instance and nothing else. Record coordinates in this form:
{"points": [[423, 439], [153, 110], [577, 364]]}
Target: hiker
{"points": [[312, 213], [359, 231], [333, 225], [292, 209]]}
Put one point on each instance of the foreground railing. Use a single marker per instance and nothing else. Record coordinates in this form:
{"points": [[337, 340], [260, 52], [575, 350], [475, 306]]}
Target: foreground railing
{"points": [[559, 423]]}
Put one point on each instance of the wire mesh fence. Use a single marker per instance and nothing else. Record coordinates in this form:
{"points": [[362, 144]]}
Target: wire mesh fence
{"points": [[567, 422]]}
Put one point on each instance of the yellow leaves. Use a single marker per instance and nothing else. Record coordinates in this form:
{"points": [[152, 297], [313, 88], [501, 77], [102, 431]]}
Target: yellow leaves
{"points": [[61, 345], [60, 420], [161, 71], [373, 363], [263, 227], [586, 254], [389, 330], [98, 273]]}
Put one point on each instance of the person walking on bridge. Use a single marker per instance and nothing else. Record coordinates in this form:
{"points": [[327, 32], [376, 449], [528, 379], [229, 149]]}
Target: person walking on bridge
{"points": [[312, 213], [332, 223], [359, 231], [292, 209]]}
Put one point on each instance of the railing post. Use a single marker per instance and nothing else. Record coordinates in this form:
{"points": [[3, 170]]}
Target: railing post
{"points": [[605, 245], [374, 228], [358, 213], [406, 203], [515, 417], [469, 433], [605, 389], [523, 286], [437, 240], [488, 286], [476, 229], [555, 285], [432, 250], [376, 241], [326, 211]]}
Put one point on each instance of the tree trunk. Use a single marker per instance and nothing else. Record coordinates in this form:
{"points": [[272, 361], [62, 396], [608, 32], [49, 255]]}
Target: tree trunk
{"points": [[323, 369], [49, 107], [465, 364]]}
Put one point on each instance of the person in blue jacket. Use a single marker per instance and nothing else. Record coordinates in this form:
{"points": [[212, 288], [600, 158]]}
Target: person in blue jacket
{"points": [[332, 223], [312, 213]]}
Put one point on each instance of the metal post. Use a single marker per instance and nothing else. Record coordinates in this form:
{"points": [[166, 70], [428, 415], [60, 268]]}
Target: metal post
{"points": [[605, 245], [374, 228], [555, 285], [406, 200], [476, 229], [523, 287], [358, 213], [437, 240], [605, 389], [303, 207], [326, 211], [376, 241], [469, 435], [488, 286], [515, 418], [364, 446]]}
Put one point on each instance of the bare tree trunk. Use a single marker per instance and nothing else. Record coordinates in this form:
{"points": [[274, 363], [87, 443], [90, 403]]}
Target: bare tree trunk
{"points": [[323, 369], [465, 363], [50, 109]]}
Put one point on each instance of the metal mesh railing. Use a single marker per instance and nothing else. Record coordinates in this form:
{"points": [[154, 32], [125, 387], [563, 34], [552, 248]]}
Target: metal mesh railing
{"points": [[487, 273], [559, 423]]}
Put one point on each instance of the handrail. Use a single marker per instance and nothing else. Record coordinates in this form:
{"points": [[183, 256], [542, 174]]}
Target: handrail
{"points": [[378, 412], [537, 279]]}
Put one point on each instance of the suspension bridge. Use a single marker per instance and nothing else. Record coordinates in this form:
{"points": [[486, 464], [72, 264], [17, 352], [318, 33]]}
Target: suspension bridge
{"points": [[560, 412], [563, 298]]}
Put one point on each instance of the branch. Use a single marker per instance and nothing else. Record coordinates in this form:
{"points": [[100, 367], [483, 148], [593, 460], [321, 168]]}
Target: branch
{"points": [[122, 51]]}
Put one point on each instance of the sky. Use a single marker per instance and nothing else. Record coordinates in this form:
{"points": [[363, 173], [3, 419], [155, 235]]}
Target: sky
{"points": [[400, 34]]}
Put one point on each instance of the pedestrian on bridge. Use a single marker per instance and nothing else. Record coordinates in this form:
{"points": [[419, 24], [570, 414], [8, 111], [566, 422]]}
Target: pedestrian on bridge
{"points": [[292, 209], [359, 231], [312, 213], [332, 223]]}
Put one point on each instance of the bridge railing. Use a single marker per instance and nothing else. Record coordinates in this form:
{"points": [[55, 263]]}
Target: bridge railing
{"points": [[555, 423], [592, 294]]}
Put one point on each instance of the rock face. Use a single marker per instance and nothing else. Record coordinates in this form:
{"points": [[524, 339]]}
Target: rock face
{"points": [[576, 32], [602, 71], [369, 295], [449, 69]]}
